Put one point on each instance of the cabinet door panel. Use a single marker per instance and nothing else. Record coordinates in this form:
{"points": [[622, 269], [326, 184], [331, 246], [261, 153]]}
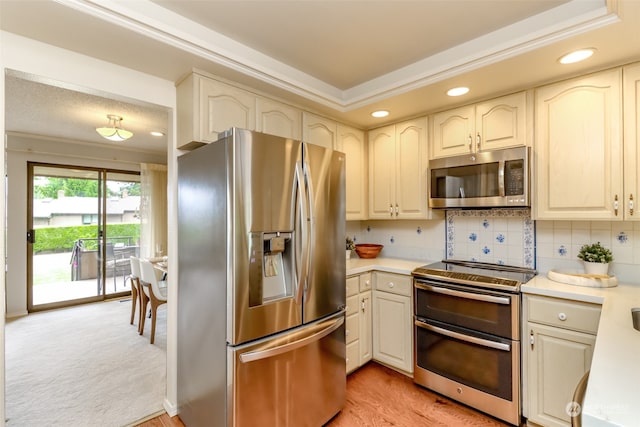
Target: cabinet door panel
{"points": [[319, 131], [382, 173], [579, 148], [366, 344], [352, 144], [501, 122], [410, 170], [278, 119], [557, 361], [222, 107], [392, 343], [452, 130], [631, 86]]}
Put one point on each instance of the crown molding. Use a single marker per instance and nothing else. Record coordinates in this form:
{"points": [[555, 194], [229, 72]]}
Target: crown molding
{"points": [[149, 19]]}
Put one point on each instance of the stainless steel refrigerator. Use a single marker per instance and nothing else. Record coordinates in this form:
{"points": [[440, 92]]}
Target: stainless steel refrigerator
{"points": [[261, 283]]}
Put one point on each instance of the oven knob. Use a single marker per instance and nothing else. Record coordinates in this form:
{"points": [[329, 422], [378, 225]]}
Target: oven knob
{"points": [[459, 390], [562, 316]]}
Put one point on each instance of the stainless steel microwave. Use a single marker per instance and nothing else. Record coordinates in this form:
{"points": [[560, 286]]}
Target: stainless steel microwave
{"points": [[499, 178]]}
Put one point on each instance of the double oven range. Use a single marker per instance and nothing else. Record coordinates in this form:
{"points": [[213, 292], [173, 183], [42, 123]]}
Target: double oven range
{"points": [[467, 334]]}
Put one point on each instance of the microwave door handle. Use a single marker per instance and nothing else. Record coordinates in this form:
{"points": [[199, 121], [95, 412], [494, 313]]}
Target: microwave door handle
{"points": [[501, 178], [463, 337]]}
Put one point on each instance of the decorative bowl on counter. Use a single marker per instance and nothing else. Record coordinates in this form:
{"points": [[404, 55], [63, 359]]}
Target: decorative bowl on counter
{"points": [[368, 250]]}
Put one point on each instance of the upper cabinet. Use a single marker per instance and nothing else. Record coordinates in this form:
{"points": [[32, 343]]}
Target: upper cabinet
{"points": [[319, 130], [631, 95], [578, 149], [276, 118], [490, 125], [206, 107], [352, 143], [397, 171]]}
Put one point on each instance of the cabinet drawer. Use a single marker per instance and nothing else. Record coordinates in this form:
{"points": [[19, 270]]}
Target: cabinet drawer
{"points": [[352, 356], [394, 283], [352, 329], [352, 305], [365, 282], [353, 285], [574, 315]]}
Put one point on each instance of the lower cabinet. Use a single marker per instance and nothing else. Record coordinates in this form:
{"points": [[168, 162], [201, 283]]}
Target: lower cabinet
{"points": [[392, 320], [358, 321], [559, 339]]}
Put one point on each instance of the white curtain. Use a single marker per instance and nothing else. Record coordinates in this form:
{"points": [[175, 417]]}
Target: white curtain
{"points": [[153, 210]]}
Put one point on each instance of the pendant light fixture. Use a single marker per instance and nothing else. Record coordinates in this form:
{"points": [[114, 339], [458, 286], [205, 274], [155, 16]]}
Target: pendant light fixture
{"points": [[113, 131]]}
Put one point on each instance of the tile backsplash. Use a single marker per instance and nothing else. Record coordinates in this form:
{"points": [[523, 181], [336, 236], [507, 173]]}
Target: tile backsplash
{"points": [[498, 236]]}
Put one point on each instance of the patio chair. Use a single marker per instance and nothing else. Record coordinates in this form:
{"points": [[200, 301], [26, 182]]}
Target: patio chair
{"points": [[155, 290], [117, 264]]}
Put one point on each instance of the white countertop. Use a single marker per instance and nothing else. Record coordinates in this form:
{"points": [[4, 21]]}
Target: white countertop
{"points": [[613, 391], [392, 265]]}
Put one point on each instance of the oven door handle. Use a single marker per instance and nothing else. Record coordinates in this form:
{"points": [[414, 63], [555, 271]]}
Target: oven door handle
{"points": [[461, 294], [463, 337]]}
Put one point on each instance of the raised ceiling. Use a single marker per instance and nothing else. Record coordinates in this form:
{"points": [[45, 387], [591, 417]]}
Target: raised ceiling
{"points": [[340, 58]]}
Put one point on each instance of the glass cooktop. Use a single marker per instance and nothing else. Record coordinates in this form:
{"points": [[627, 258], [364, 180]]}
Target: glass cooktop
{"points": [[478, 274]]}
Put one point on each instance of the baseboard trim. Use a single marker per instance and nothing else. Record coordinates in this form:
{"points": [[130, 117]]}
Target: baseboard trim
{"points": [[171, 408]]}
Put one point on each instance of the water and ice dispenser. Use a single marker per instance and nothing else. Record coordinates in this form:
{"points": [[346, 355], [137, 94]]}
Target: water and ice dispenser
{"points": [[270, 267]]}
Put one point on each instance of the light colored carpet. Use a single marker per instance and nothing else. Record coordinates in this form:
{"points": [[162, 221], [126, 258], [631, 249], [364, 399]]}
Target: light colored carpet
{"points": [[83, 366]]}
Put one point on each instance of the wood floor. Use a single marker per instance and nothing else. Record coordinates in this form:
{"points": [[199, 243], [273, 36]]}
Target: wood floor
{"points": [[380, 397]]}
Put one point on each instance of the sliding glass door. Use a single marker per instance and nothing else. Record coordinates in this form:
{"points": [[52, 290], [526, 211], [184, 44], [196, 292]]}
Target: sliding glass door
{"points": [[83, 224]]}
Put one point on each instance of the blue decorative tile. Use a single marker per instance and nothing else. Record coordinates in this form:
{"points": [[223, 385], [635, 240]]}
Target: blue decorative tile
{"points": [[486, 250], [419, 230], [485, 223], [562, 250], [392, 240], [500, 238], [622, 237], [473, 237]]}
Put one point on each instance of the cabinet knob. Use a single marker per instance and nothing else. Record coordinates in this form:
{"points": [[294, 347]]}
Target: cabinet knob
{"points": [[615, 205], [346, 333], [562, 316], [631, 204], [478, 140], [391, 284]]}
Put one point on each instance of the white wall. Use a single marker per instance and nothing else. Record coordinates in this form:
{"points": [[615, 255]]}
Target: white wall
{"points": [[29, 56]]}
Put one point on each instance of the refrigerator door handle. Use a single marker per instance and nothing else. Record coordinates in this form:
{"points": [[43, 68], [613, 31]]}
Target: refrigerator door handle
{"points": [[312, 229], [304, 232], [252, 356]]}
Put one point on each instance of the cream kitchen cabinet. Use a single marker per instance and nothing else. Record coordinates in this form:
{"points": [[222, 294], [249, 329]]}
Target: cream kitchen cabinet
{"points": [[578, 149], [358, 321], [352, 142], [276, 118], [490, 125], [558, 345], [631, 108], [393, 320], [206, 107], [397, 171], [319, 130]]}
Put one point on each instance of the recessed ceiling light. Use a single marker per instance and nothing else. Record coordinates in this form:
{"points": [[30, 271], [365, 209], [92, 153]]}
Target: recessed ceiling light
{"points": [[457, 91], [380, 113], [156, 133], [576, 56]]}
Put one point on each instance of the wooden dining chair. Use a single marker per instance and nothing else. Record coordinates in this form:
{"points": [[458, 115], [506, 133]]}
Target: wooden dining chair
{"points": [[136, 292], [155, 290]]}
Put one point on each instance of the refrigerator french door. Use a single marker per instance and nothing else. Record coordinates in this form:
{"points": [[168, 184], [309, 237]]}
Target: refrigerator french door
{"points": [[261, 267]]}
